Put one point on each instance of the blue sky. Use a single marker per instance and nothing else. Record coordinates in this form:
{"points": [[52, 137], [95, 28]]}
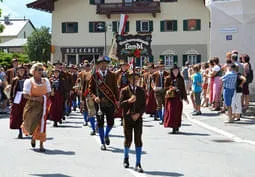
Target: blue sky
{"points": [[18, 9]]}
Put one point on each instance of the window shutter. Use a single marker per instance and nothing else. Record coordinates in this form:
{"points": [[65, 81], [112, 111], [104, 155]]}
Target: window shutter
{"points": [[162, 24], [185, 25], [150, 26], [115, 26], [162, 57], [91, 27], [198, 58], [127, 27], [184, 59], [198, 27], [175, 25], [151, 59], [76, 27], [63, 27], [138, 26], [175, 59], [92, 1], [104, 27]]}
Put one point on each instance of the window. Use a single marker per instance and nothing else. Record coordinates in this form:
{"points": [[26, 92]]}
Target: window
{"points": [[192, 25], [193, 59], [168, 25], [96, 1], [115, 27], [70, 27], [96, 27], [169, 60], [144, 26], [25, 35]]}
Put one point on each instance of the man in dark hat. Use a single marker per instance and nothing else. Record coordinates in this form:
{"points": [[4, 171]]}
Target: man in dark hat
{"points": [[103, 89], [132, 102], [158, 85]]}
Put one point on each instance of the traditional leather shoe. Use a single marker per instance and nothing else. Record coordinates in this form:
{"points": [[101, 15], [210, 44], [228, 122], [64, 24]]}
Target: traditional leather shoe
{"points": [[126, 163], [161, 123], [107, 140], [20, 136], [32, 143], [93, 133], [103, 147], [139, 168], [85, 124], [55, 124]]}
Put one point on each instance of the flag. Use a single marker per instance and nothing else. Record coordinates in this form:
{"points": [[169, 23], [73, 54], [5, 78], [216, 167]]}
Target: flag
{"points": [[113, 49], [123, 21]]}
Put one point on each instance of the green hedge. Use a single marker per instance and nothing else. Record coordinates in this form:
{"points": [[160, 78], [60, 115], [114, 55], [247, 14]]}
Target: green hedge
{"points": [[6, 58]]}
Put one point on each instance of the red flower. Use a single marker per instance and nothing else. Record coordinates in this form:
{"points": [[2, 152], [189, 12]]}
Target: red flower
{"points": [[137, 53]]}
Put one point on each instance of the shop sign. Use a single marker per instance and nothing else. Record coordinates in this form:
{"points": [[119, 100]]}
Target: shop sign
{"points": [[82, 50]]}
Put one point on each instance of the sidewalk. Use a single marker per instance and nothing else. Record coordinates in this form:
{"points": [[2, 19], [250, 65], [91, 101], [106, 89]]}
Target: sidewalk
{"points": [[240, 131]]}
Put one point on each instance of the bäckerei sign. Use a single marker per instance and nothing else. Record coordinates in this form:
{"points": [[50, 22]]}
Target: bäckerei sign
{"points": [[127, 44]]}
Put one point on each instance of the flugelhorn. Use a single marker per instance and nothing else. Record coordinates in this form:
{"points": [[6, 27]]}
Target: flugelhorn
{"points": [[99, 112]]}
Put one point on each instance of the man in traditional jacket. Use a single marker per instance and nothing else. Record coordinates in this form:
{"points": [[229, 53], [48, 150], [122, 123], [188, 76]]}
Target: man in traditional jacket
{"points": [[122, 80], [132, 101], [158, 86], [103, 89]]}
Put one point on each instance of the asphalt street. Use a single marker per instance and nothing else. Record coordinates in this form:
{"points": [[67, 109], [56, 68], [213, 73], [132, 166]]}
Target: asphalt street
{"points": [[72, 152]]}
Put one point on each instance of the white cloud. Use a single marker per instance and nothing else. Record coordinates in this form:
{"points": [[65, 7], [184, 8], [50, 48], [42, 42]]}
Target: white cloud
{"points": [[8, 11]]}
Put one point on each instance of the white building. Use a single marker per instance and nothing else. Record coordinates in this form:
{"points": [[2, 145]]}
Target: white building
{"points": [[179, 28], [15, 33], [232, 28]]}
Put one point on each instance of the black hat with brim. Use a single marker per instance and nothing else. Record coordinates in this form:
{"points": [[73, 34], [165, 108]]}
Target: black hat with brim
{"points": [[103, 59]]}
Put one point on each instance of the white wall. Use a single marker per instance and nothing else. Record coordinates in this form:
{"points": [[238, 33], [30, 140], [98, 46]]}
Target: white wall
{"points": [[28, 29]]}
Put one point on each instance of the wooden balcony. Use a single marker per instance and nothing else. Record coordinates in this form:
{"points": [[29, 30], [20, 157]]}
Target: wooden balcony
{"points": [[128, 8]]}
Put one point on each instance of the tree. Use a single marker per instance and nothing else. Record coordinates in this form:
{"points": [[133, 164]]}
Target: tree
{"points": [[39, 45], [1, 26]]}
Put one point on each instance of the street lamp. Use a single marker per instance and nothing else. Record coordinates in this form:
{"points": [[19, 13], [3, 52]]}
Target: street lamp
{"points": [[103, 26]]}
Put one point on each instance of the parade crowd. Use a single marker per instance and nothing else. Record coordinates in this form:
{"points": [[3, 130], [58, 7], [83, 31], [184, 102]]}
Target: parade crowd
{"points": [[34, 93]]}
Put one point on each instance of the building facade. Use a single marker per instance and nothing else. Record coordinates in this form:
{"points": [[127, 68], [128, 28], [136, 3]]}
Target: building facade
{"points": [[232, 28], [15, 33], [81, 29]]}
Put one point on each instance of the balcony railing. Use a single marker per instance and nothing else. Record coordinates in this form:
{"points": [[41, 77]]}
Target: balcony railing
{"points": [[134, 7]]}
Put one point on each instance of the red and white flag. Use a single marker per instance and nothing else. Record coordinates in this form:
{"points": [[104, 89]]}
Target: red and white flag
{"points": [[123, 21]]}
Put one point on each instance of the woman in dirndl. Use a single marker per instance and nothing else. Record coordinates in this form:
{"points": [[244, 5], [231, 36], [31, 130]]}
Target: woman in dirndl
{"points": [[17, 100], [174, 95], [57, 98], [36, 90]]}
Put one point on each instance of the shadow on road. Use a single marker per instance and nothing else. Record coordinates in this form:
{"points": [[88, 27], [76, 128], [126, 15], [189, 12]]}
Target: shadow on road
{"points": [[67, 126], [191, 134], [50, 175], [118, 150], [117, 136], [55, 152], [163, 173], [213, 114]]}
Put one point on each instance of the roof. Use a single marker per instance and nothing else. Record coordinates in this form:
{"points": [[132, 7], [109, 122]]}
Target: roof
{"points": [[14, 43], [44, 5], [14, 27]]}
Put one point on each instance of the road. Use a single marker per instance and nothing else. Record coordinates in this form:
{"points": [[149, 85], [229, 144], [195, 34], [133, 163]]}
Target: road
{"points": [[71, 151]]}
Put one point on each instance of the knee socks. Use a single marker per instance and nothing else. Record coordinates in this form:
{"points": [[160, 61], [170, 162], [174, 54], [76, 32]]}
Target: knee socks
{"points": [[138, 151], [92, 123]]}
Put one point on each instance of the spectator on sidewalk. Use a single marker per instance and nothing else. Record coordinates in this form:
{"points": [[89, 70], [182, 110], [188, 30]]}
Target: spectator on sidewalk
{"points": [[229, 84], [237, 98], [197, 89], [248, 73], [204, 72], [185, 74]]}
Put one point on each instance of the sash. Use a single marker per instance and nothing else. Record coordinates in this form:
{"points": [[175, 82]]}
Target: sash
{"points": [[104, 88]]}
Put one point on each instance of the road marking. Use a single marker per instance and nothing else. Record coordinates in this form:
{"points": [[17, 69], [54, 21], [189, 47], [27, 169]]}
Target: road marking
{"points": [[219, 131]]}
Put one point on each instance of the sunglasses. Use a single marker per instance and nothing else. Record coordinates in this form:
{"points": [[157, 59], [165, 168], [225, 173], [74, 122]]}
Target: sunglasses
{"points": [[39, 69]]}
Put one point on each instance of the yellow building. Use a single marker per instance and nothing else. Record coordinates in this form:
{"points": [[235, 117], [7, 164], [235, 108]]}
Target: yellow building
{"points": [[81, 29]]}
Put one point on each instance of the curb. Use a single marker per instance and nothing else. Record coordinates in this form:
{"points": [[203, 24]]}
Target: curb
{"points": [[219, 131]]}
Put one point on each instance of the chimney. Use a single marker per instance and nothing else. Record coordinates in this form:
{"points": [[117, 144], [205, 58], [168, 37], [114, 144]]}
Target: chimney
{"points": [[6, 20]]}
